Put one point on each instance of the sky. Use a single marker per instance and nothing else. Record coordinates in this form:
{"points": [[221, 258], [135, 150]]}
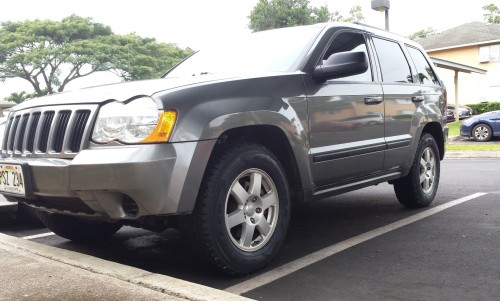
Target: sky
{"points": [[197, 23]]}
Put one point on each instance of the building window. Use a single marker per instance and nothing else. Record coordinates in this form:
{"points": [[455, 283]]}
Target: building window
{"points": [[489, 53]]}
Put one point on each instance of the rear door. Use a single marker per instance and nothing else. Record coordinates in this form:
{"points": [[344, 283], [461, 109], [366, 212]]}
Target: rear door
{"points": [[402, 96]]}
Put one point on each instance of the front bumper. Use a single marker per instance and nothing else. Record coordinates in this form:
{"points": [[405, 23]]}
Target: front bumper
{"points": [[465, 130], [151, 179]]}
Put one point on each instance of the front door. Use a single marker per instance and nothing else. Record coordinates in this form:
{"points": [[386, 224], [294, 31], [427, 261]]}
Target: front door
{"points": [[346, 119]]}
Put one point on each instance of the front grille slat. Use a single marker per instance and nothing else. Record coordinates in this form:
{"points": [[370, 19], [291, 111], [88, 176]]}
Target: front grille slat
{"points": [[18, 145], [45, 131], [7, 134], [35, 117], [78, 129], [57, 131], [12, 134], [60, 130]]}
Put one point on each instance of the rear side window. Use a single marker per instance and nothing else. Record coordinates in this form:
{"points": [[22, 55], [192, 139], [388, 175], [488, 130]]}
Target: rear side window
{"points": [[349, 41], [424, 71], [392, 61]]}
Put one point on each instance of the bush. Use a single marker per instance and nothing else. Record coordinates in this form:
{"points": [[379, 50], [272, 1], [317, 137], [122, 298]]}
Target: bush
{"points": [[480, 108]]}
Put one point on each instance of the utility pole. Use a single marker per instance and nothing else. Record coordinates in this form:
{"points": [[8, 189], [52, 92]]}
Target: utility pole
{"points": [[382, 6]]}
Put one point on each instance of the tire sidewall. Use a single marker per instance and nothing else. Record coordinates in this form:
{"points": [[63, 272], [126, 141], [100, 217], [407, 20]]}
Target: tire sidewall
{"points": [[227, 172], [425, 198]]}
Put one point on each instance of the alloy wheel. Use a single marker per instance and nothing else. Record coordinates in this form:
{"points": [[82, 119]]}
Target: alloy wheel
{"points": [[251, 210]]}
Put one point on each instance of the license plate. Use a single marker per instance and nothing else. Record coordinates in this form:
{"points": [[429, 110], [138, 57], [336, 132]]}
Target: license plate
{"points": [[12, 179]]}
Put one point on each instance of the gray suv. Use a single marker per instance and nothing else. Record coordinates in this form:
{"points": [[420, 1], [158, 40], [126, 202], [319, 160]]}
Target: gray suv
{"points": [[230, 138]]}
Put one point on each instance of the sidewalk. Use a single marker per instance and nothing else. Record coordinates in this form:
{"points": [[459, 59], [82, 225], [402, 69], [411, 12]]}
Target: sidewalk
{"points": [[32, 271]]}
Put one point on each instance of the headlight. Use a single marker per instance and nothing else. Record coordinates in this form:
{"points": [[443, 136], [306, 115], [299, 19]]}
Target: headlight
{"points": [[138, 121]]}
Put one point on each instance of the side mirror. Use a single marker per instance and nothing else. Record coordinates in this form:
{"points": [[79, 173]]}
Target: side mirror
{"points": [[342, 64]]}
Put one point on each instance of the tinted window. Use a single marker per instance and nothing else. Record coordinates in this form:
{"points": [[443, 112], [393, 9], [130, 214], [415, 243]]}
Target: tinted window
{"points": [[424, 71], [349, 41], [393, 62]]}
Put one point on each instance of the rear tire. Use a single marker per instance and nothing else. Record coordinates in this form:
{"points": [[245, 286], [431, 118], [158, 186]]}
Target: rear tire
{"points": [[78, 229], [419, 187], [241, 215]]}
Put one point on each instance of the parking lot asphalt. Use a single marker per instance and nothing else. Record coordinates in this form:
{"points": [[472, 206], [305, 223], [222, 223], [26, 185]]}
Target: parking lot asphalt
{"points": [[421, 261], [449, 255]]}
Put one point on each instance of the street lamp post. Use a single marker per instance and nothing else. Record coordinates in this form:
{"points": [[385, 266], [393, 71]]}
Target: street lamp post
{"points": [[382, 6]]}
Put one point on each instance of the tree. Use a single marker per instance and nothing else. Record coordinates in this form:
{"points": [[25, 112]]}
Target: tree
{"points": [[269, 14], [492, 14], [50, 54], [18, 97], [355, 14], [423, 33]]}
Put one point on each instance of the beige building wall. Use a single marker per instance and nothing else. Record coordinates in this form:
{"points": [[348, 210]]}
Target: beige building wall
{"points": [[473, 88]]}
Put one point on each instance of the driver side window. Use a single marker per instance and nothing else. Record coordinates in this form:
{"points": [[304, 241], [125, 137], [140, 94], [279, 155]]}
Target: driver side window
{"points": [[347, 42]]}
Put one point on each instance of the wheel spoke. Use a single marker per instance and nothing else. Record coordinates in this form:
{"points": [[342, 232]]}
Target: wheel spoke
{"points": [[269, 200], [239, 193], [427, 155], [255, 183], [422, 163], [247, 235], [264, 227], [426, 185], [422, 177], [235, 218]]}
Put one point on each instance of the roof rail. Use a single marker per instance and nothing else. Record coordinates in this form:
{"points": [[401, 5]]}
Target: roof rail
{"points": [[371, 26]]}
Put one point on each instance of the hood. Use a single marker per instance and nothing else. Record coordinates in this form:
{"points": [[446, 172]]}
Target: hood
{"points": [[120, 92]]}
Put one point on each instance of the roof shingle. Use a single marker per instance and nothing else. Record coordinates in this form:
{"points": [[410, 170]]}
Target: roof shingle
{"points": [[469, 33]]}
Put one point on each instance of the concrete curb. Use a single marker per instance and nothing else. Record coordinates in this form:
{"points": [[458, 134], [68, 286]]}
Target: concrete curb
{"points": [[472, 155], [167, 285]]}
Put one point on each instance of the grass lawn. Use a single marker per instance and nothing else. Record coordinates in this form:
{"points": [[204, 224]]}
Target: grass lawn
{"points": [[473, 147], [454, 128]]}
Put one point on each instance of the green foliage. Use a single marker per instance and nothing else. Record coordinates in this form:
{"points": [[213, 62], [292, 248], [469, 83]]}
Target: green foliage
{"points": [[269, 14], [18, 97], [423, 33], [480, 108], [50, 54], [355, 14], [492, 14]]}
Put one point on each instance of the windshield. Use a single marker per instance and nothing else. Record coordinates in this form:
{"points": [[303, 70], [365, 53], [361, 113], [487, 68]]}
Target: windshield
{"points": [[277, 50]]}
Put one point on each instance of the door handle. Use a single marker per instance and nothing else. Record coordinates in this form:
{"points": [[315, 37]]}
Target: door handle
{"points": [[373, 100], [418, 98]]}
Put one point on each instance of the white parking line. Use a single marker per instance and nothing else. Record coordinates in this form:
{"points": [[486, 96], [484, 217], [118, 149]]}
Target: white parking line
{"points": [[38, 235], [305, 261]]}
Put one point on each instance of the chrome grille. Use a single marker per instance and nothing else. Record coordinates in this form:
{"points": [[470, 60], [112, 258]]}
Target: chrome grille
{"points": [[60, 131]]}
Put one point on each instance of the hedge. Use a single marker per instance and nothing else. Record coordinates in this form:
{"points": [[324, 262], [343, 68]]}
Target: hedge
{"points": [[480, 108]]}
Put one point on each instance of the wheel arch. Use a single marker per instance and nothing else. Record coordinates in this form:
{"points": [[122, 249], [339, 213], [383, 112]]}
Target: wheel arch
{"points": [[273, 138], [435, 129]]}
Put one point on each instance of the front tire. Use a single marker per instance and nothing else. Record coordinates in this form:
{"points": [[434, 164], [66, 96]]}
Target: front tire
{"points": [[419, 187], [78, 229], [241, 215], [482, 132]]}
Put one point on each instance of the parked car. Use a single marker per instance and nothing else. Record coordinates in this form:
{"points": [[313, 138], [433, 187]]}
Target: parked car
{"points": [[463, 112], [230, 138], [482, 127], [450, 114]]}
